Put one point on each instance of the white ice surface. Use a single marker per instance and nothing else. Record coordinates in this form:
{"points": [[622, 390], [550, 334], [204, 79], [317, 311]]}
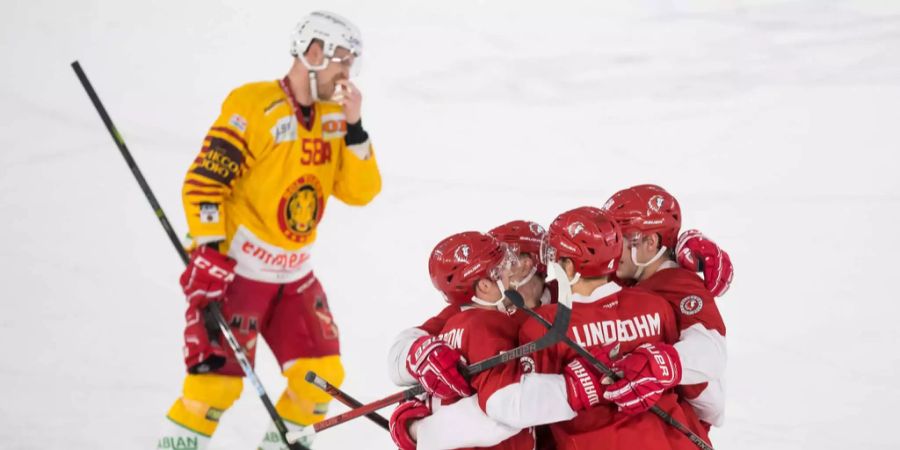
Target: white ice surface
{"points": [[774, 122]]}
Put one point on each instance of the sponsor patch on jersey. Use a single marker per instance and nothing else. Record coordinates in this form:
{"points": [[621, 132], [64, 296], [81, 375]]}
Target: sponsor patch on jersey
{"points": [[209, 213], [691, 305], [301, 208], [334, 125], [285, 129], [238, 122], [221, 162]]}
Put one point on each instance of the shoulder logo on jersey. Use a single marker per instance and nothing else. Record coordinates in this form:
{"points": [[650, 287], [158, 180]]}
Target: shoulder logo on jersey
{"points": [[285, 129], [301, 208], [334, 125], [656, 203], [691, 305], [238, 122]]}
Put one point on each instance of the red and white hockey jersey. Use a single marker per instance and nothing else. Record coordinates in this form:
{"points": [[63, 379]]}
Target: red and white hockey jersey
{"points": [[701, 341], [479, 333]]}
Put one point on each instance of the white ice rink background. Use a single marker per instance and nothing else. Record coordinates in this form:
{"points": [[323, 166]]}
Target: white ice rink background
{"points": [[775, 123]]}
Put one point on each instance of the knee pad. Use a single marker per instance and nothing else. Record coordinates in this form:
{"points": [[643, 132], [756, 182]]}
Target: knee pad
{"points": [[302, 403], [204, 399]]}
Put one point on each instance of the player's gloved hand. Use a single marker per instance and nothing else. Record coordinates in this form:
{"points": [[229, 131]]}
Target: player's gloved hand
{"points": [[583, 381], [696, 252], [435, 365], [203, 351], [206, 276], [402, 418], [646, 372]]}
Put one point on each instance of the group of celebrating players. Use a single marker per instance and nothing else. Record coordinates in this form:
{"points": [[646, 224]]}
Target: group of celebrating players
{"points": [[253, 198], [637, 305]]}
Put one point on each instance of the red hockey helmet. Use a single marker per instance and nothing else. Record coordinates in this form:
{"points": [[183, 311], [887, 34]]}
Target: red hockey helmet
{"points": [[644, 209], [588, 237], [523, 236], [460, 260]]}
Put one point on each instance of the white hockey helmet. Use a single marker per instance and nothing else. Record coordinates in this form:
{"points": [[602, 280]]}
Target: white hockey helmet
{"points": [[333, 30]]}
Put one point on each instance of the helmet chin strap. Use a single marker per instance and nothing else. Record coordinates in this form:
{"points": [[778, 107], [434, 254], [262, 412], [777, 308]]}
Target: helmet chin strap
{"points": [[575, 279], [313, 75], [313, 89], [641, 266], [517, 284], [497, 303]]}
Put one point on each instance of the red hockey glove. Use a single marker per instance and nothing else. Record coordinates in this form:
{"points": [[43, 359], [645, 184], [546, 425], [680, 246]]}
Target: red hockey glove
{"points": [[203, 351], [696, 252], [402, 417], [207, 275], [646, 372], [434, 364], [583, 388]]}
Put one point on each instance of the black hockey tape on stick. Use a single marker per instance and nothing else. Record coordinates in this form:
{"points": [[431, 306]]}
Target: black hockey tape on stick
{"points": [[343, 397], [213, 310]]}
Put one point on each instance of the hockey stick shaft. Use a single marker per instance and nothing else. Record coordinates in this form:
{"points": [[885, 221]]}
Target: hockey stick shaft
{"points": [[343, 397], [666, 417], [555, 333], [213, 309]]}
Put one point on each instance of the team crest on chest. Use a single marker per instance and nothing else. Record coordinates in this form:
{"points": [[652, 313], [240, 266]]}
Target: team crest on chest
{"points": [[691, 305], [301, 208]]}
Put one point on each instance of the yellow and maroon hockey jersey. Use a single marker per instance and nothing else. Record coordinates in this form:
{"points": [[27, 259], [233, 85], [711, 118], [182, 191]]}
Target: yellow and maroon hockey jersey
{"points": [[262, 180]]}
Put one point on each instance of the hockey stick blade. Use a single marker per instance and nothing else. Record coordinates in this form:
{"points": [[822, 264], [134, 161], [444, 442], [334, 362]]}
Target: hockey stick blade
{"points": [[555, 333], [666, 417], [343, 397]]}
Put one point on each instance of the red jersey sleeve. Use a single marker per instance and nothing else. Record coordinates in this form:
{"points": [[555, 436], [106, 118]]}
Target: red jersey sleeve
{"points": [[691, 301], [434, 325]]}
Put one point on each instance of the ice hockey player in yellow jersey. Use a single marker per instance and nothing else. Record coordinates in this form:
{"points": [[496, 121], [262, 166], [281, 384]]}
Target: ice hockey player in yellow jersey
{"points": [[254, 197]]}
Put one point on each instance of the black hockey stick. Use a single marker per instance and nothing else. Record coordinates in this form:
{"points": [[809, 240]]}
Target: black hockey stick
{"points": [[213, 310], [343, 397], [555, 333], [666, 417]]}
